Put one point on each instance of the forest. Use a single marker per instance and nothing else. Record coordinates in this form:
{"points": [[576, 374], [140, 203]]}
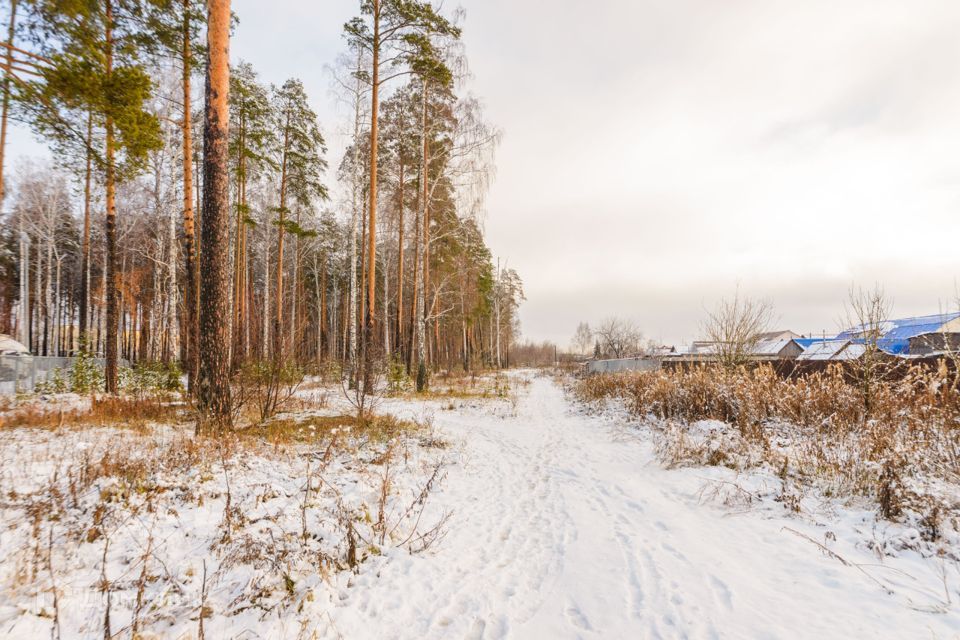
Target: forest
{"points": [[191, 214]]}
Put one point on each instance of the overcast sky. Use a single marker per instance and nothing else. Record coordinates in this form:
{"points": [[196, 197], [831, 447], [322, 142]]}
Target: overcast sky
{"points": [[656, 153]]}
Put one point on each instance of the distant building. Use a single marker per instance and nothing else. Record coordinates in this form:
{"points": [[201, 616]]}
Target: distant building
{"points": [[927, 344], [831, 350], [783, 334], [764, 350], [895, 335], [661, 351], [776, 349]]}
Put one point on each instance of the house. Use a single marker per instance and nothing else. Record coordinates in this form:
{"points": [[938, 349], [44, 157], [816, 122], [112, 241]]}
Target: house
{"points": [[776, 349], [698, 351], [785, 334], [831, 350], [927, 344], [661, 351], [895, 334], [762, 351]]}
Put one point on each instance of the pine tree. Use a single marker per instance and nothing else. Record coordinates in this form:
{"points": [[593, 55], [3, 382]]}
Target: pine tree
{"points": [[301, 163], [400, 144], [396, 31], [214, 346], [95, 66], [8, 64], [190, 17], [252, 142]]}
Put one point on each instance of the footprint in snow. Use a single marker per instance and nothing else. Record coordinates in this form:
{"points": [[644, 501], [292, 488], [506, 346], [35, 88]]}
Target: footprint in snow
{"points": [[722, 591], [476, 630], [576, 618]]}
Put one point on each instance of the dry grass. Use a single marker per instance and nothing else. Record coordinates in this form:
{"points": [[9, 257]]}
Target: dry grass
{"points": [[311, 429], [476, 386], [120, 411], [295, 498], [815, 429]]}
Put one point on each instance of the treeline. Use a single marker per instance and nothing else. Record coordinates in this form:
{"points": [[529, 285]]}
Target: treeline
{"points": [[123, 246]]}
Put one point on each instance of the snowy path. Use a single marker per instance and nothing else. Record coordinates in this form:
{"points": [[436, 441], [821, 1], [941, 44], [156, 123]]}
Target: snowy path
{"points": [[565, 529]]}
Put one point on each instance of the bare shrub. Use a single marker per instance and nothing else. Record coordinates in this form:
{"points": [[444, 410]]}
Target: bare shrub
{"points": [[366, 391], [267, 386], [867, 314], [735, 326], [618, 337]]}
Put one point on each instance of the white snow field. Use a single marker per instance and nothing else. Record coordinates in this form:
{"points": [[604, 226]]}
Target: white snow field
{"points": [[565, 526]]}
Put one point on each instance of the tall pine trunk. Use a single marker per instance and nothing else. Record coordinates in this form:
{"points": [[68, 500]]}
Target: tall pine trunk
{"points": [[113, 317], [214, 351], [85, 255], [281, 232], [239, 255], [351, 318], [190, 289], [369, 321]]}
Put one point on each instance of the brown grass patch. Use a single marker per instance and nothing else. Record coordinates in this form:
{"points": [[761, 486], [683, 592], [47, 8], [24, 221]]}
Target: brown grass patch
{"points": [[817, 426], [311, 429], [104, 411]]}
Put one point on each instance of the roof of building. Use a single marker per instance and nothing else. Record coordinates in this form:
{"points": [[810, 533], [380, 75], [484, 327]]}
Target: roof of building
{"points": [[707, 350], [832, 350], [782, 334], [9, 346], [770, 347], [896, 334]]}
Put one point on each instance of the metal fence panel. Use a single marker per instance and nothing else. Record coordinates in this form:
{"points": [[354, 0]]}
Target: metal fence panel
{"points": [[20, 374], [623, 364]]}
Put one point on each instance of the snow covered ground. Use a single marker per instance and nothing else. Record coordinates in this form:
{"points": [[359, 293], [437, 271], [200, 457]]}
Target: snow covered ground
{"points": [[564, 525]]}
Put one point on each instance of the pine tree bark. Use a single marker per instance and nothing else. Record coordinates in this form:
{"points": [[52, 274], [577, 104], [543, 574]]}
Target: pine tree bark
{"points": [[110, 372], [295, 294], [214, 351], [324, 335], [369, 331], [281, 232], [190, 302], [350, 318], [412, 325], [239, 256], [85, 252]]}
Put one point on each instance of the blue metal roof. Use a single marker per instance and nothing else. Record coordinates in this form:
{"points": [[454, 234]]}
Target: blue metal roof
{"points": [[897, 334]]}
